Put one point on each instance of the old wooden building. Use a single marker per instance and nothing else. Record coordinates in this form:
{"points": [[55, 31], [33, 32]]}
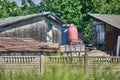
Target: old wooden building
{"points": [[106, 32], [43, 27]]}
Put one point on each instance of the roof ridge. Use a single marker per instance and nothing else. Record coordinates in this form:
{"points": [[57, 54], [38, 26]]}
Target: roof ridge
{"points": [[104, 14], [16, 19], [111, 19]]}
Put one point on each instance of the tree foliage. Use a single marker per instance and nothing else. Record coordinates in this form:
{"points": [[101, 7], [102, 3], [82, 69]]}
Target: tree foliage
{"points": [[106, 6], [76, 11], [70, 11], [9, 9], [28, 7]]}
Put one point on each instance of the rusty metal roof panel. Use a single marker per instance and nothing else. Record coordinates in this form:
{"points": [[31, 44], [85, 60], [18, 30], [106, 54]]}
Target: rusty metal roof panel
{"points": [[18, 44], [12, 44]]}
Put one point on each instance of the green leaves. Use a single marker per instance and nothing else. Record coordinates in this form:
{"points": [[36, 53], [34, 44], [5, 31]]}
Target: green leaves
{"points": [[9, 9], [106, 6], [70, 11]]}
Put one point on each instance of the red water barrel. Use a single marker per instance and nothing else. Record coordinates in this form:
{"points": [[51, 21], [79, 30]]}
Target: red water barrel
{"points": [[72, 34]]}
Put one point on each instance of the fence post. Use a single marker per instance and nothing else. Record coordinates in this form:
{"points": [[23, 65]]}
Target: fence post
{"points": [[41, 64], [11, 75], [85, 63]]}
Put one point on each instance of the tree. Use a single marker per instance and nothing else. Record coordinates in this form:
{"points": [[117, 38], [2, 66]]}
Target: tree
{"points": [[28, 7], [106, 6], [69, 11], [3, 12], [8, 8], [76, 11]]}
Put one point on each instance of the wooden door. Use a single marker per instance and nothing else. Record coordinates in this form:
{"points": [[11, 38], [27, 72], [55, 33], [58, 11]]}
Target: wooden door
{"points": [[100, 34]]}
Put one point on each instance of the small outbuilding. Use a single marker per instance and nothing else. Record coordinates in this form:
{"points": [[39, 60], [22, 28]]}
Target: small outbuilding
{"points": [[106, 32], [44, 27]]}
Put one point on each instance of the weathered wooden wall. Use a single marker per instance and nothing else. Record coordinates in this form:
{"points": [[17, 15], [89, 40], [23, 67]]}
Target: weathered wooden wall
{"points": [[105, 36], [98, 32], [35, 31], [20, 23], [55, 30], [35, 28], [112, 34]]}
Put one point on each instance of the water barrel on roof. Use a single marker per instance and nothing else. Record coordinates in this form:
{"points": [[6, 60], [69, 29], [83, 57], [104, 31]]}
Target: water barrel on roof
{"points": [[64, 31], [72, 34]]}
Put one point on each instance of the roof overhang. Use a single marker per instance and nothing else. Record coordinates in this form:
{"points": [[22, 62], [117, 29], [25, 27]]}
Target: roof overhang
{"points": [[111, 19], [13, 20]]}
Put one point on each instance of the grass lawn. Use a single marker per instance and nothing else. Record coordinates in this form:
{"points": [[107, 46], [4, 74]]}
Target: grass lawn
{"points": [[61, 74]]}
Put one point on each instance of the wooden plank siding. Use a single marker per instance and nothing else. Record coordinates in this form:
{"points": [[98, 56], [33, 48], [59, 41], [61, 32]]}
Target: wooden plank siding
{"points": [[55, 29], [111, 38], [56, 35], [111, 28], [98, 32], [105, 39], [35, 31], [32, 26]]}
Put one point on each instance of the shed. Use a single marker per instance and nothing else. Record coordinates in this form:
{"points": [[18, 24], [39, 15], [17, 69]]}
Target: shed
{"points": [[106, 32], [43, 27]]}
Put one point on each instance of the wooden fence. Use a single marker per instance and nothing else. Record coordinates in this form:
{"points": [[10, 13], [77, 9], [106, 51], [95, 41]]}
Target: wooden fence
{"points": [[40, 63]]}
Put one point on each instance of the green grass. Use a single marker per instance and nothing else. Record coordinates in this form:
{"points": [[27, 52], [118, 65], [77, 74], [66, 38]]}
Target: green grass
{"points": [[60, 74]]}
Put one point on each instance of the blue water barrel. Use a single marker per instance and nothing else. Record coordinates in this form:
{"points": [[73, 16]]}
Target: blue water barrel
{"points": [[64, 31]]}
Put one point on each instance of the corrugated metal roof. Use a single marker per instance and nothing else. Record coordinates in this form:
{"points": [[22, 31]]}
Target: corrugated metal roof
{"points": [[18, 44], [14, 44], [110, 19], [12, 20]]}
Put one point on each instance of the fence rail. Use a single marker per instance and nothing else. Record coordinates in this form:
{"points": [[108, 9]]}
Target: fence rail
{"points": [[104, 59], [17, 59], [63, 59]]}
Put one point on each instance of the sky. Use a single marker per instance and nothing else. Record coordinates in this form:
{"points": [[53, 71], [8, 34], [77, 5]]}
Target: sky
{"points": [[19, 1]]}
